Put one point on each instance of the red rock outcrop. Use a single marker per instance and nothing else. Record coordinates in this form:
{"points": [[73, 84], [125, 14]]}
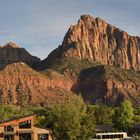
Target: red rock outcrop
{"points": [[97, 40], [12, 53]]}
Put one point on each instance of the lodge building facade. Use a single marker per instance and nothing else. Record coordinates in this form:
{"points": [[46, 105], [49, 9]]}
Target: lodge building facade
{"points": [[23, 128]]}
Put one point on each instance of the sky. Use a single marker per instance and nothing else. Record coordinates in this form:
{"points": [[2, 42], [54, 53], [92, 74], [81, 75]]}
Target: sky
{"points": [[40, 25]]}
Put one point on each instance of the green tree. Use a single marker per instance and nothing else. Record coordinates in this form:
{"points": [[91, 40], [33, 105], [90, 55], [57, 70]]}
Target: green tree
{"points": [[136, 117], [123, 118], [41, 115], [71, 120], [12, 111], [87, 124], [7, 111], [103, 114]]}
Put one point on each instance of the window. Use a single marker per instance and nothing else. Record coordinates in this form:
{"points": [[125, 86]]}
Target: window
{"points": [[25, 136], [116, 136], [43, 137], [10, 137], [120, 135], [9, 128], [111, 136], [98, 137], [107, 136], [25, 124], [1, 135]]}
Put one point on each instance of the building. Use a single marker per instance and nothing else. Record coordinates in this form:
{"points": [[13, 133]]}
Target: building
{"points": [[111, 136], [23, 128], [103, 128]]}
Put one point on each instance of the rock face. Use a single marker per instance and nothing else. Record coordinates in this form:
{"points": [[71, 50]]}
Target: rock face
{"points": [[108, 85], [94, 39], [12, 53]]}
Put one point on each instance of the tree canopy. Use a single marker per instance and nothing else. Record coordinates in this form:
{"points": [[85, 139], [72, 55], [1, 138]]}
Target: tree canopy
{"points": [[123, 118], [103, 114], [72, 120]]}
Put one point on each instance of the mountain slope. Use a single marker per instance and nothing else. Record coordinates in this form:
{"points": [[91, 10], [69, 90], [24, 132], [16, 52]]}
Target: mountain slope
{"points": [[100, 83], [21, 85]]}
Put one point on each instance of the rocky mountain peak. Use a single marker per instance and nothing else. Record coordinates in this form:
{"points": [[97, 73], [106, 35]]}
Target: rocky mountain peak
{"points": [[89, 19], [11, 45], [96, 40], [13, 53], [86, 18]]}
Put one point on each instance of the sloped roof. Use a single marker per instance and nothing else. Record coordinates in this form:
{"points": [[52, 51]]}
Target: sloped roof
{"points": [[137, 126], [16, 118], [103, 128]]}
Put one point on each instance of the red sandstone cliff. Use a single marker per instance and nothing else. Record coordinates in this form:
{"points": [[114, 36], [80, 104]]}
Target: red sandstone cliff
{"points": [[96, 40]]}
